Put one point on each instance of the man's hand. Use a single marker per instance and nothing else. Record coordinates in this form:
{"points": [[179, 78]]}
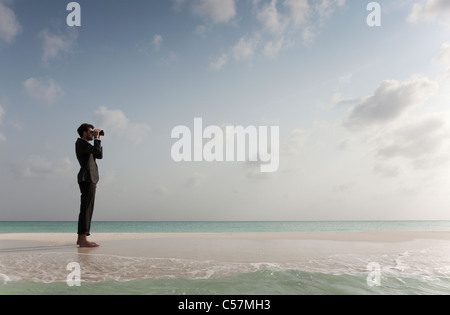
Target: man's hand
{"points": [[97, 133]]}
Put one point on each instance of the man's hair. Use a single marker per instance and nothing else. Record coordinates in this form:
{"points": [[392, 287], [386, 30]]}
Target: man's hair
{"points": [[83, 128]]}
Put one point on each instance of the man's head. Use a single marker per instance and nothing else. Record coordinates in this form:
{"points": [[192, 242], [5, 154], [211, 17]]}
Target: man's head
{"points": [[86, 131]]}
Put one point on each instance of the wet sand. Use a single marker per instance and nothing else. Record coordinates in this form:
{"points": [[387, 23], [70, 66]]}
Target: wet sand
{"points": [[44, 257]]}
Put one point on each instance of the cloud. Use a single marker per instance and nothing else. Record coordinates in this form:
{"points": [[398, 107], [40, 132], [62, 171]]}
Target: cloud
{"points": [[194, 180], [386, 170], [271, 49], [9, 26], [245, 48], [39, 167], [117, 124], [157, 42], [2, 115], [219, 63], [148, 46], [216, 11], [326, 8], [160, 190], [2, 112], [54, 45], [43, 91], [299, 10], [444, 56], [430, 10], [406, 139], [309, 16], [390, 100], [271, 19], [296, 142], [415, 139], [281, 24], [422, 141], [201, 30], [178, 4], [168, 60]]}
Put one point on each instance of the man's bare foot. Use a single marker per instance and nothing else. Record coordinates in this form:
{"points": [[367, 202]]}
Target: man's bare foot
{"points": [[83, 242], [88, 245]]}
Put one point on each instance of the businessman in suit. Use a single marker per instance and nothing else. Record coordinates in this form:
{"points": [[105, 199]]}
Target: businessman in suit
{"points": [[88, 177]]}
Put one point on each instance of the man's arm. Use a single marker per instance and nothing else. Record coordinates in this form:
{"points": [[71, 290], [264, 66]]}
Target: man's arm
{"points": [[84, 147], [98, 145]]}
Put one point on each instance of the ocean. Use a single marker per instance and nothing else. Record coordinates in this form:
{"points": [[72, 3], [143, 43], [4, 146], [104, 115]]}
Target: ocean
{"points": [[425, 271], [225, 227]]}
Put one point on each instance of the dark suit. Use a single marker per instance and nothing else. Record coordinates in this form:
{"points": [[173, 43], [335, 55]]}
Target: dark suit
{"points": [[88, 178]]}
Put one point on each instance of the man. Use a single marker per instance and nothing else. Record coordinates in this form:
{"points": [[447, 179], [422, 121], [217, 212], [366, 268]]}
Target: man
{"points": [[88, 177]]}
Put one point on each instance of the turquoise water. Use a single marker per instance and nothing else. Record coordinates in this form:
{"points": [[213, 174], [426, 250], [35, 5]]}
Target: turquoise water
{"points": [[224, 227], [267, 282], [422, 271], [290, 282]]}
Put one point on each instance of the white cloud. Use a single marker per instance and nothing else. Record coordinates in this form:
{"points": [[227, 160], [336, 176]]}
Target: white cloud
{"points": [[201, 30], [421, 143], [244, 49], [416, 138], [271, 49], [44, 91], [117, 124], [217, 11], [386, 170], [178, 4], [157, 41], [169, 59], [148, 46], [219, 63], [53, 45], [430, 10], [279, 28], [38, 167], [325, 8], [444, 56], [160, 190], [194, 180], [9, 26], [408, 140], [272, 21], [296, 142], [307, 17], [299, 10], [2, 115], [390, 100]]}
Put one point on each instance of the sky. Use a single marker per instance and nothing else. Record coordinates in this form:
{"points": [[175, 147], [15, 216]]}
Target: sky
{"points": [[362, 107]]}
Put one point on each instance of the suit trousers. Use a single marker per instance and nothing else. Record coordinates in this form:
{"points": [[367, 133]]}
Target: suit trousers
{"points": [[87, 207]]}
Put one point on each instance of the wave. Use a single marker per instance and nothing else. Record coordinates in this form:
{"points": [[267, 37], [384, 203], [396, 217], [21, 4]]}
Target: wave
{"points": [[263, 282], [425, 264]]}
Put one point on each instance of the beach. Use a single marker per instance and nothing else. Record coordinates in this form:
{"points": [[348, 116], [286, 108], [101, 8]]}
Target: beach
{"points": [[42, 258]]}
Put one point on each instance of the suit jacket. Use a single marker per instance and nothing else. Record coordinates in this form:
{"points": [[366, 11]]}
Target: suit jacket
{"points": [[87, 154]]}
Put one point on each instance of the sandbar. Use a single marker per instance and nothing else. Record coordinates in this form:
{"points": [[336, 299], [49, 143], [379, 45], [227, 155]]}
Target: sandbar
{"points": [[130, 256]]}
